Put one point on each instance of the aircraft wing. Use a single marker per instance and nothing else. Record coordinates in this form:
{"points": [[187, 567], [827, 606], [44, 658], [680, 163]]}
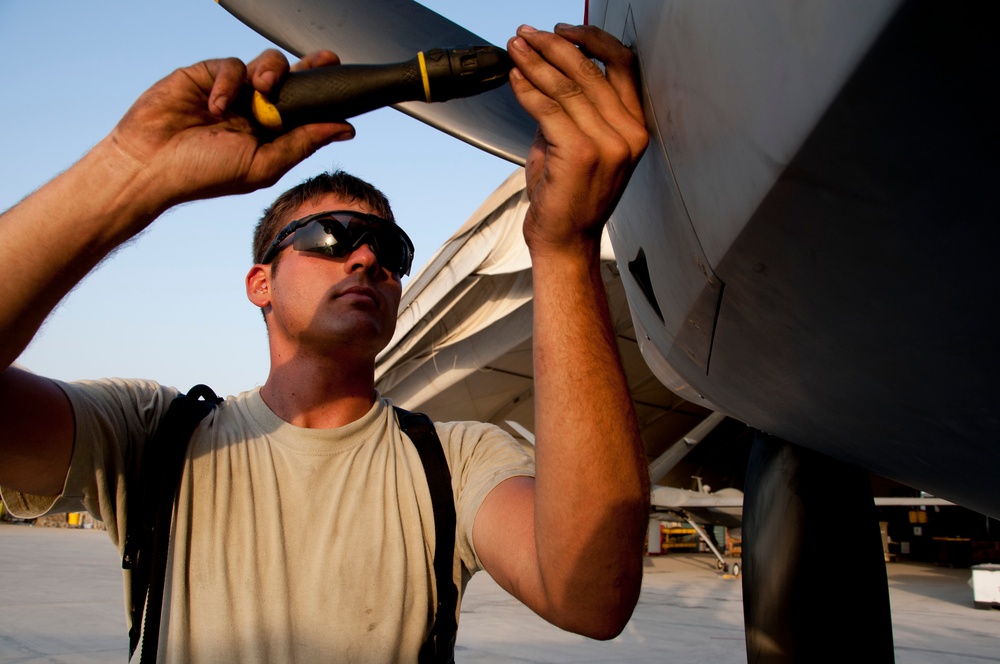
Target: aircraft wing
{"points": [[386, 31], [930, 501], [671, 498]]}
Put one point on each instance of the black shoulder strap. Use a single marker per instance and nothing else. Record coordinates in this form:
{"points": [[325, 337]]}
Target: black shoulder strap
{"points": [[148, 528], [440, 644]]}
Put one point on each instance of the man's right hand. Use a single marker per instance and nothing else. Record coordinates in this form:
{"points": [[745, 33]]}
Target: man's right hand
{"points": [[190, 137], [182, 140]]}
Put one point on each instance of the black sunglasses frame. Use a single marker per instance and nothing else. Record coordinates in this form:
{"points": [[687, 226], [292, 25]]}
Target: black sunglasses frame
{"points": [[344, 218]]}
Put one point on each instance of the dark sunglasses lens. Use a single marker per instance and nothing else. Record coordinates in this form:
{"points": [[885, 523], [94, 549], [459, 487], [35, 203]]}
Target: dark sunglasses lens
{"points": [[325, 237], [389, 250], [339, 237]]}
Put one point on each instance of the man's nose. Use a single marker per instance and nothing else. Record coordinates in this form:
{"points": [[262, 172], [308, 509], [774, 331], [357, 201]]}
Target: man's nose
{"points": [[363, 257]]}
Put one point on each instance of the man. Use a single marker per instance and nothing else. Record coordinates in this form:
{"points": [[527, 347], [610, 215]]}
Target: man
{"points": [[567, 542]]}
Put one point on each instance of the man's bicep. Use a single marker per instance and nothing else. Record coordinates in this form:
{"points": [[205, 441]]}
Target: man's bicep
{"points": [[504, 537], [36, 439]]}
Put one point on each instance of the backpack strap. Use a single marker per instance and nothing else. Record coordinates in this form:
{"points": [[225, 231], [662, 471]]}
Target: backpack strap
{"points": [[440, 644], [147, 533]]}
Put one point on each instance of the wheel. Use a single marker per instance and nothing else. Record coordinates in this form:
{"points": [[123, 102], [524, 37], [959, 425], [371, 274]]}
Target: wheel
{"points": [[720, 565], [735, 570]]}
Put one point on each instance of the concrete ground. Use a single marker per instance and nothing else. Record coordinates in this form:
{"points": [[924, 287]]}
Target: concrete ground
{"points": [[62, 604]]}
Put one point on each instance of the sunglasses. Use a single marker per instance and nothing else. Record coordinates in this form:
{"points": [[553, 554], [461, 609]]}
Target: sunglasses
{"points": [[340, 232]]}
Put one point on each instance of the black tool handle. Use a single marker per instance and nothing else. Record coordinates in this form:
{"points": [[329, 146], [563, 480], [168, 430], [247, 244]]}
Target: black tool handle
{"points": [[328, 94]]}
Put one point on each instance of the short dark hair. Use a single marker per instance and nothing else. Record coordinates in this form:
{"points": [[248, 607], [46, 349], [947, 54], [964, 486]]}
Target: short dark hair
{"points": [[337, 183]]}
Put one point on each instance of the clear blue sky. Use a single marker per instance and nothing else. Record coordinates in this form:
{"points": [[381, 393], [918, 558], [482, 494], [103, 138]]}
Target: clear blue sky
{"points": [[171, 306]]}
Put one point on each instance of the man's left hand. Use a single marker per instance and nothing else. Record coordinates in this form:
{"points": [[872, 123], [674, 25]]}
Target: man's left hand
{"points": [[591, 132]]}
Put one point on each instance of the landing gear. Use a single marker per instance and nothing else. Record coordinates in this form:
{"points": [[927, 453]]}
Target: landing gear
{"points": [[726, 568], [796, 585], [720, 562]]}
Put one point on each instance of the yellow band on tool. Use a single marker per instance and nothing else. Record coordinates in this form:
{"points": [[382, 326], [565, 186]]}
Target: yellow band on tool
{"points": [[265, 112], [423, 75]]}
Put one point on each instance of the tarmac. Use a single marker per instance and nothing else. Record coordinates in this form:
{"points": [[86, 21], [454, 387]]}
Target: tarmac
{"points": [[62, 603]]}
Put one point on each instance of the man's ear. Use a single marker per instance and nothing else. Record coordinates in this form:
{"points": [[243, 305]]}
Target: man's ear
{"points": [[258, 285]]}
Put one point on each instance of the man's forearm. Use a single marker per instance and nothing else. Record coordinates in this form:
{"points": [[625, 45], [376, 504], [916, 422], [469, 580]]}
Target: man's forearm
{"points": [[55, 236], [51, 240], [580, 562], [592, 491]]}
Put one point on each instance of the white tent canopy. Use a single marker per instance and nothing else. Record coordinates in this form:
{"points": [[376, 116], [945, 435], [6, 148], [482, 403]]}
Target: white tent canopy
{"points": [[462, 348]]}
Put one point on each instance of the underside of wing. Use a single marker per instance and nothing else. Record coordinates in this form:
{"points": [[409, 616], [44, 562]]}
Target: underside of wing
{"points": [[385, 31]]}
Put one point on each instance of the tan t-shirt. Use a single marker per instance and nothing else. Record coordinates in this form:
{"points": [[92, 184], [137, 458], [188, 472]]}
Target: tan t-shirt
{"points": [[289, 544]]}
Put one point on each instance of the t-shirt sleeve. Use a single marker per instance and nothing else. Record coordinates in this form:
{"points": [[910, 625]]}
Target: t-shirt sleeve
{"points": [[112, 419], [481, 456]]}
